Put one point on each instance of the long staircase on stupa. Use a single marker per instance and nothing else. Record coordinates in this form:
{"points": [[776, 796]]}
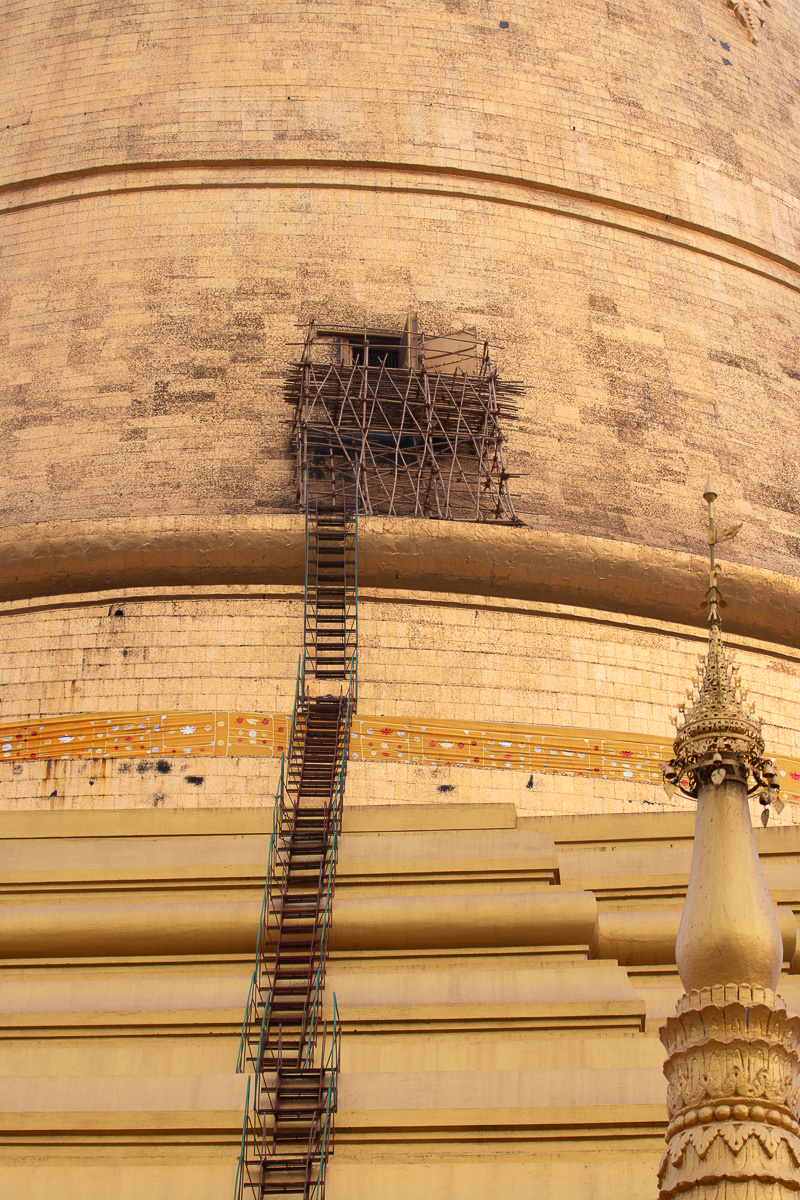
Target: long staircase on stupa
{"points": [[290, 1051]]}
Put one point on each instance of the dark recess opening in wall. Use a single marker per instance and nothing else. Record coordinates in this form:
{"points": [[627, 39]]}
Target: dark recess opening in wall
{"points": [[195, 779], [163, 767]]}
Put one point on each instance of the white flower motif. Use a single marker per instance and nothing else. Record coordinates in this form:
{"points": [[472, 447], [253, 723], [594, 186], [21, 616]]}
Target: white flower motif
{"points": [[384, 745], [252, 733], [252, 721], [66, 738], [354, 756], [187, 751], [187, 729], [506, 744], [7, 746], [448, 745], [370, 731], [114, 728]]}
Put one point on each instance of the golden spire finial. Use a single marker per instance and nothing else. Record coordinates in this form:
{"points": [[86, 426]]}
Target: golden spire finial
{"points": [[733, 1069], [713, 598], [717, 739]]}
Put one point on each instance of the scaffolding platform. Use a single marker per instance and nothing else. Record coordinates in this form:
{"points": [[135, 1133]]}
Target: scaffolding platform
{"points": [[417, 421]]}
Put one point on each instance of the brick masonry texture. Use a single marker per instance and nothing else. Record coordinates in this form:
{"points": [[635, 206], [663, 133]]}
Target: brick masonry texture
{"points": [[147, 322], [458, 659], [626, 102]]}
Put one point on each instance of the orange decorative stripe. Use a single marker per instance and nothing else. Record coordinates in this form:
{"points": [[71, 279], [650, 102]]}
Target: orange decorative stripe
{"points": [[207, 733], [136, 734]]}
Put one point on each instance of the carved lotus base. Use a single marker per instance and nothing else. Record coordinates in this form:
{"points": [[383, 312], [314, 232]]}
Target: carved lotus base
{"points": [[734, 1085], [752, 1189]]}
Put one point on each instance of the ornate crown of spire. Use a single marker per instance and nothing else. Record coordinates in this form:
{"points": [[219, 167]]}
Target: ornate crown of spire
{"points": [[718, 737]]}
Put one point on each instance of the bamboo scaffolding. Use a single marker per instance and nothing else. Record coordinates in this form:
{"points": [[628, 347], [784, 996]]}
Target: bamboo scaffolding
{"points": [[422, 442]]}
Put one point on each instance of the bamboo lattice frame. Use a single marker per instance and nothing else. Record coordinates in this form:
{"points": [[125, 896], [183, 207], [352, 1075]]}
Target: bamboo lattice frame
{"points": [[423, 438]]}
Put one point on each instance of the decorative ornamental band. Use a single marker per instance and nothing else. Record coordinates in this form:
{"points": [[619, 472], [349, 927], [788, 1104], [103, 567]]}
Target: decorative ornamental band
{"points": [[207, 733]]}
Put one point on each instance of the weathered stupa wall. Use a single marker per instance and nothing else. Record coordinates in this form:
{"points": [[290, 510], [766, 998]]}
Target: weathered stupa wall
{"points": [[607, 194]]}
